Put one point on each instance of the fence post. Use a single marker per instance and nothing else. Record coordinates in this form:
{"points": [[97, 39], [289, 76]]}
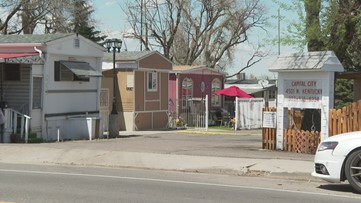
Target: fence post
{"points": [[236, 115], [207, 112], [27, 119], [22, 127]]}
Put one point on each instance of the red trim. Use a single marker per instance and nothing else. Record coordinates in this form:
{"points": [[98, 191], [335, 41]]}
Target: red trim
{"points": [[15, 55]]}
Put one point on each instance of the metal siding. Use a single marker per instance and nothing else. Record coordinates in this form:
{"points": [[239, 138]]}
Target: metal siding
{"points": [[152, 105], [139, 88], [17, 93], [124, 96], [160, 120], [144, 121], [164, 91]]}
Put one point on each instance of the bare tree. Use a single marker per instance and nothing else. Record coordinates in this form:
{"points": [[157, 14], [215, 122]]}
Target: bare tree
{"points": [[195, 31], [24, 16], [255, 58], [59, 16]]}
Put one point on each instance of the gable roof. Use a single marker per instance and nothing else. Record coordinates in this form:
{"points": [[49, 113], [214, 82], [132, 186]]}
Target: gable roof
{"points": [[129, 55], [39, 40], [310, 61], [29, 38], [187, 69]]}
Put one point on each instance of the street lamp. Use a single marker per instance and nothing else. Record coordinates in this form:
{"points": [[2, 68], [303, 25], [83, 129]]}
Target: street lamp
{"points": [[113, 45]]}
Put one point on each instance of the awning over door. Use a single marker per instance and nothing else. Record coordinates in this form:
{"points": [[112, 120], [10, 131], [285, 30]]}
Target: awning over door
{"points": [[82, 69], [15, 55]]}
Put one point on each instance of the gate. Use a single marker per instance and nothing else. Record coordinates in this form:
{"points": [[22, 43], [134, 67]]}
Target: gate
{"points": [[193, 112]]}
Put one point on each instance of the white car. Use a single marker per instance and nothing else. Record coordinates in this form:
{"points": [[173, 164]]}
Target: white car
{"points": [[338, 158]]}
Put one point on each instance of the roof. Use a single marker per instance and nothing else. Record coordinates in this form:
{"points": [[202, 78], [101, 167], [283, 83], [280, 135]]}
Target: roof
{"points": [[251, 88], [196, 70], [310, 61], [248, 81], [349, 75], [183, 67], [31, 38], [128, 55]]}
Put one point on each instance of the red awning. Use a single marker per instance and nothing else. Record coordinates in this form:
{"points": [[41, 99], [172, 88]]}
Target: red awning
{"points": [[15, 55]]}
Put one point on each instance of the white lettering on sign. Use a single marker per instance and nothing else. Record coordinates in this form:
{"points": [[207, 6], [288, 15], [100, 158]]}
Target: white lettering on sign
{"points": [[303, 90]]}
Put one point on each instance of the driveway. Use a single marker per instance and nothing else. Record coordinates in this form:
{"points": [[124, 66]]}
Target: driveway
{"points": [[239, 144]]}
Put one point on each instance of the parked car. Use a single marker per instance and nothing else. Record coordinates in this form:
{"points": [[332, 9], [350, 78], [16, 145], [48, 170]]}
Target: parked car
{"points": [[338, 158]]}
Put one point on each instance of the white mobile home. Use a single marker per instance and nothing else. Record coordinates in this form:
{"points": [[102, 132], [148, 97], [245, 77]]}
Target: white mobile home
{"points": [[50, 83]]}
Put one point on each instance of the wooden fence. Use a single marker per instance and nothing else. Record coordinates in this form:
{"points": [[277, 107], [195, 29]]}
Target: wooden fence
{"points": [[346, 119], [269, 134], [301, 141]]}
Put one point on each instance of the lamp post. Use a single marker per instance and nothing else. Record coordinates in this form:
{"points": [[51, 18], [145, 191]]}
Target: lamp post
{"points": [[113, 45]]}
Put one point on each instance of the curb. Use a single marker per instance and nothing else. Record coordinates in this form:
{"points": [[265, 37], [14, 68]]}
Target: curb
{"points": [[171, 162]]}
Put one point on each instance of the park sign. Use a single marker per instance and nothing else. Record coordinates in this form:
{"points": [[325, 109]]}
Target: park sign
{"points": [[300, 91], [305, 81]]}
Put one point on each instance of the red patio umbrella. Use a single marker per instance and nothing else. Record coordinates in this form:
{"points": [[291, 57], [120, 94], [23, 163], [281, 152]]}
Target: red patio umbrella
{"points": [[233, 91]]}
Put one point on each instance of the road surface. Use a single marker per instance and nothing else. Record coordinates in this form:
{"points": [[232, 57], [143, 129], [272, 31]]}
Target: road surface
{"points": [[33, 183]]}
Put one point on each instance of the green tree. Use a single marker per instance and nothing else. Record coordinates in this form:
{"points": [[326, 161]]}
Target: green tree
{"points": [[328, 25], [343, 96], [313, 27], [53, 16], [343, 28], [82, 21]]}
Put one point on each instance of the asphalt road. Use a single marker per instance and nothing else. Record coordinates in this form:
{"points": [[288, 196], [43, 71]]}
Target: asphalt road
{"points": [[30, 183]]}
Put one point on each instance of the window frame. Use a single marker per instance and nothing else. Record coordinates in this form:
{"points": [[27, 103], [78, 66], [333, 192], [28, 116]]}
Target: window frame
{"points": [[187, 97], [60, 69], [152, 81], [216, 99]]}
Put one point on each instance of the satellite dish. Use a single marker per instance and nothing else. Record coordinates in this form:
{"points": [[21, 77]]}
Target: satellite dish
{"points": [[263, 83]]}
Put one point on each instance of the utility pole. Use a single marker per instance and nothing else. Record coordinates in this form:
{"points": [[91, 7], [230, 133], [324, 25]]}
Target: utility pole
{"points": [[279, 32], [141, 24]]}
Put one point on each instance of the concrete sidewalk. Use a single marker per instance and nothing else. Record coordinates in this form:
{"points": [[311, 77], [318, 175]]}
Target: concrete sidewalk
{"points": [[193, 151]]}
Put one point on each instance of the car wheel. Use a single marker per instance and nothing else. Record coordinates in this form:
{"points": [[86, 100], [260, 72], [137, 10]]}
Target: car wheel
{"points": [[353, 170]]}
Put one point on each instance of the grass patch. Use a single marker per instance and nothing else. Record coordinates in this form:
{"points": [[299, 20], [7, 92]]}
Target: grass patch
{"points": [[217, 127], [33, 138]]}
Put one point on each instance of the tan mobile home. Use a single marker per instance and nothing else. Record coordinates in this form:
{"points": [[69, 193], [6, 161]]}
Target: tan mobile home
{"points": [[141, 94]]}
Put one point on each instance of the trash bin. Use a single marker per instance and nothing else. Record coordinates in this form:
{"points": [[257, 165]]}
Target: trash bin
{"points": [[94, 127]]}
